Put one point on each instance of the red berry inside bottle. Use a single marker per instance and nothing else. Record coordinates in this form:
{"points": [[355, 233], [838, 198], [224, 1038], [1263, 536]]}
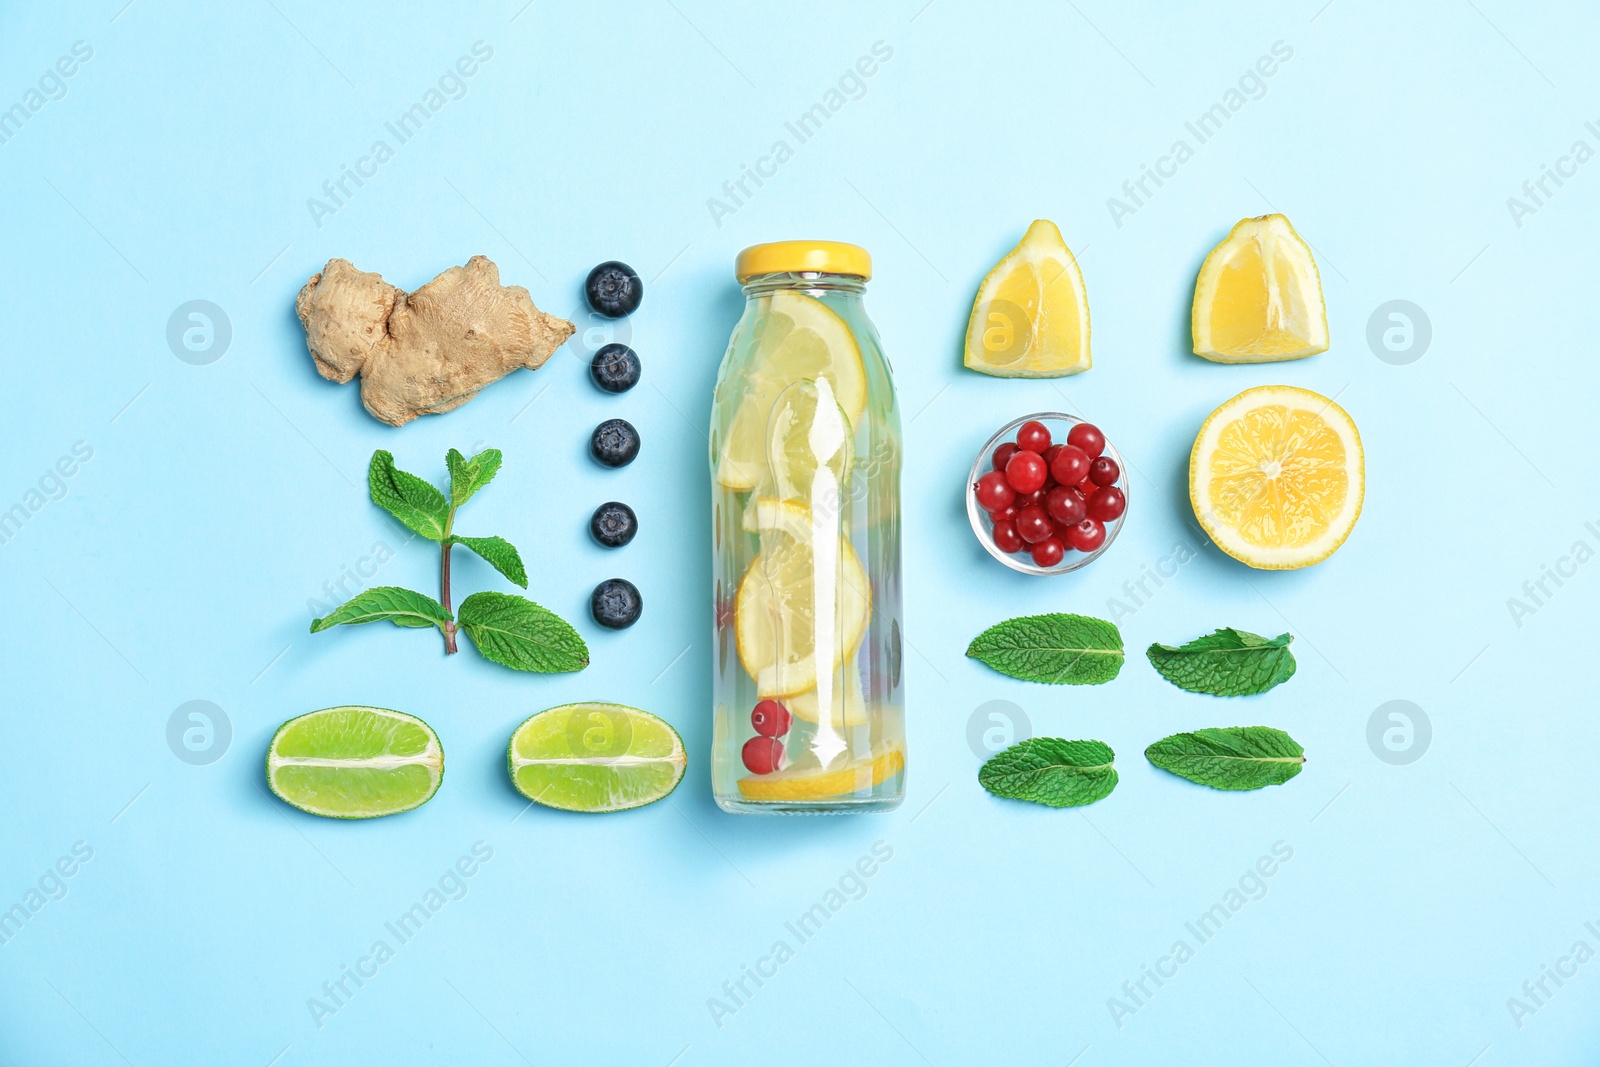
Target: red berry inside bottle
{"points": [[1033, 437], [1033, 525], [1104, 471], [1025, 472], [1064, 505], [993, 491], [1006, 538], [1107, 504], [1087, 535], [1048, 553], [1087, 437], [771, 719], [1003, 454], [1071, 465], [762, 754]]}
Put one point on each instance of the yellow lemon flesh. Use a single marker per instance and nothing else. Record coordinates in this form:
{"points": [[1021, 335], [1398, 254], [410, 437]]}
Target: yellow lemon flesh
{"points": [[1277, 477], [801, 592], [1031, 316], [807, 782], [800, 338], [1258, 298], [848, 702]]}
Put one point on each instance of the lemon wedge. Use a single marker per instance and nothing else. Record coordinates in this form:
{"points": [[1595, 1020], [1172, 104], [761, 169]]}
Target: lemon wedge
{"points": [[1031, 315], [1259, 297], [805, 589], [798, 338], [1277, 477], [807, 782]]}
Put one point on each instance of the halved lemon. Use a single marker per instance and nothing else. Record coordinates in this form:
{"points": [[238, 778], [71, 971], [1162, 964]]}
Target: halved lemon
{"points": [[798, 338], [1277, 477], [807, 782], [1031, 315], [801, 591], [1259, 297]]}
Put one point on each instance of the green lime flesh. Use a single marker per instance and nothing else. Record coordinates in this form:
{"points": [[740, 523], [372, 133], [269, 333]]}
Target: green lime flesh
{"points": [[355, 762], [595, 757]]}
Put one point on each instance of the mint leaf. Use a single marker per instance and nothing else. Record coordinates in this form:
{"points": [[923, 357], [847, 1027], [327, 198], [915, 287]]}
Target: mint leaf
{"points": [[407, 497], [519, 634], [501, 554], [1058, 649], [1226, 663], [467, 476], [1232, 757], [1051, 771], [385, 603]]}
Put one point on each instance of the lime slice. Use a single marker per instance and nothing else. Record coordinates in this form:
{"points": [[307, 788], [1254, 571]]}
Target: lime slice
{"points": [[794, 598], [798, 338], [595, 757], [355, 762]]}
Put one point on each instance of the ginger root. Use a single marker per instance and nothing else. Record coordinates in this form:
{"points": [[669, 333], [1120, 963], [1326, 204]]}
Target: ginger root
{"points": [[427, 352]]}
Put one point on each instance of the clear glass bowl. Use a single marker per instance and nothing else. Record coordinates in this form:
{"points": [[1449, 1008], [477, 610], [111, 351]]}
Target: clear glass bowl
{"points": [[1059, 424]]}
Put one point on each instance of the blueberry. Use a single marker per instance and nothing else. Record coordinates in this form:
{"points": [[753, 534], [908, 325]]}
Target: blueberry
{"points": [[615, 443], [616, 603], [614, 524], [613, 289], [615, 368]]}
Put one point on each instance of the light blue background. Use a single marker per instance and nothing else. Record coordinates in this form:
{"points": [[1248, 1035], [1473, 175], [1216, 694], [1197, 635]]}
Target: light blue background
{"points": [[220, 498]]}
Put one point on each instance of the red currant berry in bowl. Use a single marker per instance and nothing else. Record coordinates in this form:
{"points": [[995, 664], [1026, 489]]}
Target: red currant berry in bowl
{"points": [[1003, 454], [1087, 535], [1048, 553], [1064, 505], [1107, 504], [1025, 471], [1071, 466], [994, 493], [1033, 437], [770, 719], [1104, 471], [762, 755], [1006, 538], [1033, 525], [1088, 437]]}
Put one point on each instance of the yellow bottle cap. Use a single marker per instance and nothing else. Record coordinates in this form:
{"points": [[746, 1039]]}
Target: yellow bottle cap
{"points": [[821, 257]]}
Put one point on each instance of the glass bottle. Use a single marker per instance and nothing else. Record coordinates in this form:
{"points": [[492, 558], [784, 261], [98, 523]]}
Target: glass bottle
{"points": [[805, 490]]}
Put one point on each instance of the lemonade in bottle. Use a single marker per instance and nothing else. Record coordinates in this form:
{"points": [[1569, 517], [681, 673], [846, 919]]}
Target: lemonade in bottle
{"points": [[805, 491]]}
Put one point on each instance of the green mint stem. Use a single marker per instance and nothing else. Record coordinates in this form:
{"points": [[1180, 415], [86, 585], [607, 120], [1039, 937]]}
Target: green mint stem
{"points": [[444, 582]]}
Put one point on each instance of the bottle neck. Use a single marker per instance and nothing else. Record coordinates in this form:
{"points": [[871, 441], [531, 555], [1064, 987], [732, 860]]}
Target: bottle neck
{"points": [[806, 282]]}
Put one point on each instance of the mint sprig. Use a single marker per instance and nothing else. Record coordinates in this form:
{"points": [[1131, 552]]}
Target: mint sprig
{"points": [[509, 630], [1057, 649], [1226, 663], [1231, 757], [1051, 771]]}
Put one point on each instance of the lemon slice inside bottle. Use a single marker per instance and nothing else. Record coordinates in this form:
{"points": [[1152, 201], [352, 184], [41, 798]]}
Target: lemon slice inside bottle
{"points": [[1259, 297], [1277, 477], [798, 338], [805, 781], [802, 593], [1031, 315]]}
